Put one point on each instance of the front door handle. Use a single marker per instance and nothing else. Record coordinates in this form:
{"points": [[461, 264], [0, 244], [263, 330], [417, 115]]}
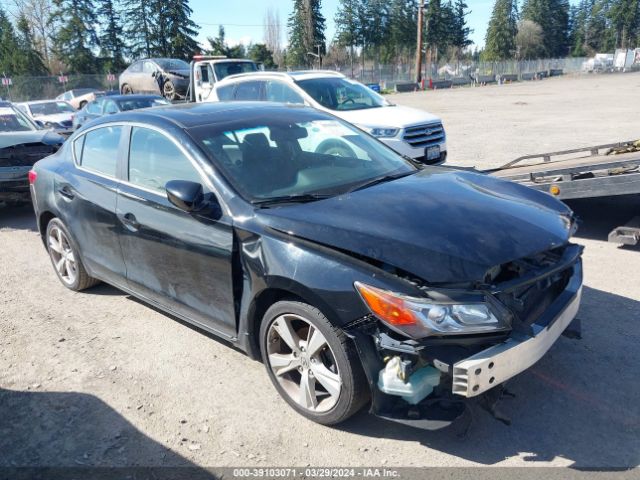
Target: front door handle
{"points": [[129, 220]]}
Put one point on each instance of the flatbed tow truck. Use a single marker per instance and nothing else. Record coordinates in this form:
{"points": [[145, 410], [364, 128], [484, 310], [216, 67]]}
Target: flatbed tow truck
{"points": [[598, 171]]}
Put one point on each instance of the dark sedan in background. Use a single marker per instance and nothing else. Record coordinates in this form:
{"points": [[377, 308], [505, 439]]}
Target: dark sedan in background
{"points": [[22, 144], [356, 279], [168, 77], [114, 104]]}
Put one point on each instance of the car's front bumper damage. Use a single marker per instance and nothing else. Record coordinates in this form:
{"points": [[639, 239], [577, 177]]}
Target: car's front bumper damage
{"points": [[469, 370]]}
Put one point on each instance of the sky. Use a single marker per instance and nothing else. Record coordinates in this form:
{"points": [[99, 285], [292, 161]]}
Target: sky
{"points": [[243, 19]]}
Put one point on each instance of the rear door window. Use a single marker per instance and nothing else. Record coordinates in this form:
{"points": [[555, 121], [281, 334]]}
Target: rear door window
{"points": [[280, 92], [100, 150], [225, 92], [154, 160], [249, 91]]}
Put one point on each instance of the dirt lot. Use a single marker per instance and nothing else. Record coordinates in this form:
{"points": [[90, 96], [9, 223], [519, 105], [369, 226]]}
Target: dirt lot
{"points": [[98, 378]]}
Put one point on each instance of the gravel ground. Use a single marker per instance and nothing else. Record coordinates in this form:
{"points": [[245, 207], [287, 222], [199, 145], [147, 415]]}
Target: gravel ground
{"points": [[98, 378]]}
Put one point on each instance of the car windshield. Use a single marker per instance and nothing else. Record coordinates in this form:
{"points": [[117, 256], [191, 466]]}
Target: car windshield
{"points": [[341, 94], [50, 108], [12, 120], [297, 156], [136, 103], [172, 64], [224, 69]]}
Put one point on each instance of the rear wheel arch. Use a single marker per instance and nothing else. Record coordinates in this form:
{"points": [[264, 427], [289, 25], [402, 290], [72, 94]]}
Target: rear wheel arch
{"points": [[43, 222]]}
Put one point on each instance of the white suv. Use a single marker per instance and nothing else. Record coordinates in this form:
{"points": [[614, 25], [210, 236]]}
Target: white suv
{"points": [[409, 131]]}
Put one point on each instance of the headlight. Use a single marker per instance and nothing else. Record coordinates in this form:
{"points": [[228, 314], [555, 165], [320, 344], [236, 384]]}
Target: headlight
{"points": [[421, 317], [381, 132]]}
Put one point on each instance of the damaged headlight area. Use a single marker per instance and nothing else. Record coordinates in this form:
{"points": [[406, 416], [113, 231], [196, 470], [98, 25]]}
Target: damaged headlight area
{"points": [[423, 317]]}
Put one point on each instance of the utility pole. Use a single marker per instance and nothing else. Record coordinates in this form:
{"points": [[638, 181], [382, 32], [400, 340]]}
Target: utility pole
{"points": [[419, 44]]}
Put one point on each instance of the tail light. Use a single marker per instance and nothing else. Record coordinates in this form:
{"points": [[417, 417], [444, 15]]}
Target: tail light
{"points": [[32, 177]]}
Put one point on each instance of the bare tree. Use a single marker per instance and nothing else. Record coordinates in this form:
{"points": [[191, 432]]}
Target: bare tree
{"points": [[272, 34], [38, 13]]}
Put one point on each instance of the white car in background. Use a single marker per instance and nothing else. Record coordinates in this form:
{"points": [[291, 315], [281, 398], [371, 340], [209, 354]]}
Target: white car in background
{"points": [[54, 115], [409, 131]]}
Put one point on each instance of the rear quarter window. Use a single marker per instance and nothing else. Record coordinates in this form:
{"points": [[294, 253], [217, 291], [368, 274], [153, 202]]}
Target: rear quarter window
{"points": [[100, 150]]}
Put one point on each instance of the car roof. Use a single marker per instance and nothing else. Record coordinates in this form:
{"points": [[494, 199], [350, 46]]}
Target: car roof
{"points": [[188, 115], [36, 102], [289, 76], [132, 97]]}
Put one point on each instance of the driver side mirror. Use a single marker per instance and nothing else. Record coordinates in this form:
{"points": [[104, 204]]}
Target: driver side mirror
{"points": [[189, 197], [153, 74]]}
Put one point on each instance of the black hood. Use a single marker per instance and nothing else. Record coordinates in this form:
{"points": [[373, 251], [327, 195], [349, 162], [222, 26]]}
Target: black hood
{"points": [[440, 225]]}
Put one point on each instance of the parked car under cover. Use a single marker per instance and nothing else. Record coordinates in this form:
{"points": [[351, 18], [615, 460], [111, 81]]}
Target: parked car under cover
{"points": [[22, 144], [79, 97], [56, 115], [114, 104], [168, 77], [357, 280], [409, 131]]}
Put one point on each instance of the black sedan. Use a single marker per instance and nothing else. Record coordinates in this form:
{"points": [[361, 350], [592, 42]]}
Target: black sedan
{"points": [[115, 104], [359, 279]]}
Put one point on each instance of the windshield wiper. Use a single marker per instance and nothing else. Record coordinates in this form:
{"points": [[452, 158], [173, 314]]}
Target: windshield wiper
{"points": [[384, 179], [296, 198]]}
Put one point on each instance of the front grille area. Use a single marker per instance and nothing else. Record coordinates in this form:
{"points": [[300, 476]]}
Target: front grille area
{"points": [[66, 123], [424, 135], [527, 302], [25, 155]]}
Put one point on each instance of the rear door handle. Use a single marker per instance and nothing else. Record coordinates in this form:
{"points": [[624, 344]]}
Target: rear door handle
{"points": [[129, 220], [66, 192]]}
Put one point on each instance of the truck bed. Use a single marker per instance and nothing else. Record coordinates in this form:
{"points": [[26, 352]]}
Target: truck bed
{"points": [[579, 173]]}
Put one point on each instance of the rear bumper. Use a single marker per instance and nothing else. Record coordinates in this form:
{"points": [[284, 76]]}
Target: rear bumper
{"points": [[14, 184], [495, 365]]}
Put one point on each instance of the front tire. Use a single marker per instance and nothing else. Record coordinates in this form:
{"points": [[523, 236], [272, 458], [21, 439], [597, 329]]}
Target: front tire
{"points": [[126, 90], [169, 90], [65, 258], [312, 364]]}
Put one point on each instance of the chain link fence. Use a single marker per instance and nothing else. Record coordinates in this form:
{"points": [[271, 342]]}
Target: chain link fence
{"points": [[25, 88], [459, 73], [437, 75]]}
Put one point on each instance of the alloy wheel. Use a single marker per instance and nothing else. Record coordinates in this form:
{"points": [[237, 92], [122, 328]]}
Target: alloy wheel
{"points": [[303, 363], [64, 259]]}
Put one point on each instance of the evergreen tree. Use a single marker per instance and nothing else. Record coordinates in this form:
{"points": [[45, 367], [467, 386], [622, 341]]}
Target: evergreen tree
{"points": [[306, 32], [401, 40], [500, 40], [181, 30], [259, 52], [139, 27], [625, 22], [76, 37], [348, 26], [111, 38], [30, 61], [553, 17], [460, 31], [8, 45]]}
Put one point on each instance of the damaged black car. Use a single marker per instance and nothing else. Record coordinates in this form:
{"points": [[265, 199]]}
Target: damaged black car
{"points": [[22, 144], [359, 278]]}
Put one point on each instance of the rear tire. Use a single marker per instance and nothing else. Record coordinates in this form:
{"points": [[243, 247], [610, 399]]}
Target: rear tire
{"points": [[313, 365], [82, 104], [65, 258]]}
